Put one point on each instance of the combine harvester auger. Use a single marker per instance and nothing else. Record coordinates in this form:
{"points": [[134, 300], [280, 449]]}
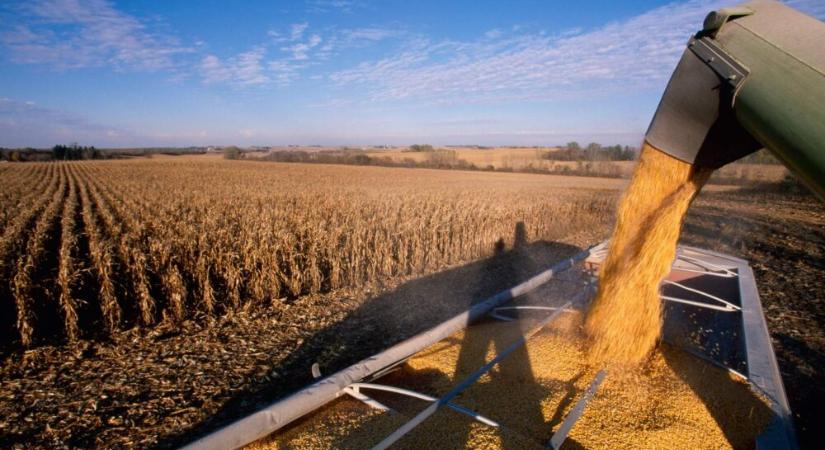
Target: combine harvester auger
{"points": [[753, 77]]}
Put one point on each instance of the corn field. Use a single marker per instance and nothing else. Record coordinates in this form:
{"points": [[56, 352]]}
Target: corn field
{"points": [[90, 248]]}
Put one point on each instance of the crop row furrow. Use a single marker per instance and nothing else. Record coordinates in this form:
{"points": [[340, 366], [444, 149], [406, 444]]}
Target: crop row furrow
{"points": [[24, 282], [100, 251], [13, 244], [129, 259], [19, 185], [67, 275], [145, 267]]}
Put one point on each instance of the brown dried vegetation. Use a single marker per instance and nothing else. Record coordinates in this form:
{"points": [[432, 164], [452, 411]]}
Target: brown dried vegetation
{"points": [[88, 248]]}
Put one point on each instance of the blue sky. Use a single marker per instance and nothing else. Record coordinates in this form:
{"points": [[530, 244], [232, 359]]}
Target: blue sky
{"points": [[338, 72]]}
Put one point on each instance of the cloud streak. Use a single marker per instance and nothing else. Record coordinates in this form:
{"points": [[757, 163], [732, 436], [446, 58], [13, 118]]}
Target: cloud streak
{"points": [[634, 55], [286, 54], [638, 53], [69, 34], [339, 6], [244, 69]]}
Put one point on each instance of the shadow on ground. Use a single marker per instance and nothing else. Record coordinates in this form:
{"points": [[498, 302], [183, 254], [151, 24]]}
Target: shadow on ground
{"points": [[387, 319]]}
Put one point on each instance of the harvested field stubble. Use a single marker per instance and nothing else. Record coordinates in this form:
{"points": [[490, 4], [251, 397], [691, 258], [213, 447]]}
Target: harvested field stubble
{"points": [[164, 386], [170, 240]]}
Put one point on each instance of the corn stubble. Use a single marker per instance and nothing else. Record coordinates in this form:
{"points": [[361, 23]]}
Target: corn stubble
{"points": [[624, 321], [96, 247]]}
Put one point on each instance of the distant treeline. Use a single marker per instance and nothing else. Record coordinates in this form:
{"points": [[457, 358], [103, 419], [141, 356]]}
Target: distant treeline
{"points": [[419, 148], [74, 152], [592, 161], [440, 158], [25, 154], [79, 152], [593, 152], [148, 151], [436, 159], [570, 152]]}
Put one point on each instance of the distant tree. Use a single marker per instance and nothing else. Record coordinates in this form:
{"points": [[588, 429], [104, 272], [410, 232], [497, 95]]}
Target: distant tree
{"points": [[628, 153], [59, 152], [232, 153], [362, 160], [443, 158], [74, 152], [421, 148], [89, 153], [593, 152]]}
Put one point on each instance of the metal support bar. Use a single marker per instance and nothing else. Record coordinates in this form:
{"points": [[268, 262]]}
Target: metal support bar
{"points": [[697, 304], [728, 306], [467, 382], [710, 268], [687, 255], [425, 397], [561, 434], [495, 312], [354, 392]]}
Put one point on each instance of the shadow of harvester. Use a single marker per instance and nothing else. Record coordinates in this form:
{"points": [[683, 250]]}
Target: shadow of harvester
{"points": [[387, 319]]}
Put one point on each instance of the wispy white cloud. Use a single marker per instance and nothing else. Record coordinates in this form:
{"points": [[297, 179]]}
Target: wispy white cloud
{"points": [[214, 70], [244, 69], [339, 6], [293, 33], [285, 71], [300, 50], [493, 34], [287, 53], [339, 40], [297, 30], [73, 34], [267, 63], [369, 34], [633, 55], [511, 62], [359, 37], [87, 33]]}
